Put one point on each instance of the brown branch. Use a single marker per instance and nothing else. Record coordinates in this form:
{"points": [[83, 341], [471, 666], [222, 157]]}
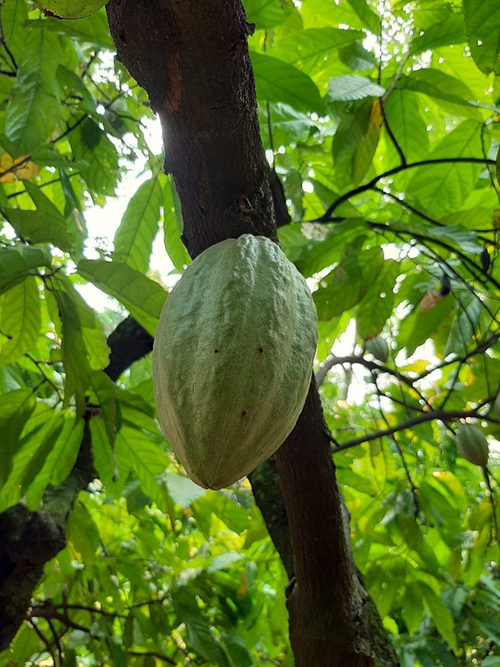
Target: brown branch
{"points": [[437, 415], [392, 137], [396, 170], [371, 366]]}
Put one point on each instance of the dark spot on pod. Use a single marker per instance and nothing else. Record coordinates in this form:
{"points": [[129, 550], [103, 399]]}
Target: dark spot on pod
{"points": [[244, 412], [216, 351], [261, 351]]}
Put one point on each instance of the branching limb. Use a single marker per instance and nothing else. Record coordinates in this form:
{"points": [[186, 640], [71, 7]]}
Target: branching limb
{"points": [[391, 172], [443, 416]]}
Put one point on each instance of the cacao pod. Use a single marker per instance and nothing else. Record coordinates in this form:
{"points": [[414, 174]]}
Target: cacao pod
{"points": [[472, 445], [497, 406], [378, 347], [233, 358]]}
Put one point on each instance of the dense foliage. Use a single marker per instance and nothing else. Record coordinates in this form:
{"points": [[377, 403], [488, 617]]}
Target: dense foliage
{"points": [[382, 121]]}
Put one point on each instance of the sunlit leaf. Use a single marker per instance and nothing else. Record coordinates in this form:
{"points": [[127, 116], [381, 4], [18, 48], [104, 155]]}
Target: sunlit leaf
{"points": [[143, 298], [278, 81], [139, 225]]}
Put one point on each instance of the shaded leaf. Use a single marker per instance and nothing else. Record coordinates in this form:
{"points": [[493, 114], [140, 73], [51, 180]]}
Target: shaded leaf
{"points": [[17, 262], [15, 409], [20, 320], [378, 303], [482, 23]]}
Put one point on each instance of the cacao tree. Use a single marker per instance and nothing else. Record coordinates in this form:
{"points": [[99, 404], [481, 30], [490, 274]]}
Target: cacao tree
{"points": [[364, 138]]}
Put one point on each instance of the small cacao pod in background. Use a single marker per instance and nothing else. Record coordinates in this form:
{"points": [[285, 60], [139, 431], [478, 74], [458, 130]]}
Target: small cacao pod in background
{"points": [[378, 347], [472, 445], [233, 358]]}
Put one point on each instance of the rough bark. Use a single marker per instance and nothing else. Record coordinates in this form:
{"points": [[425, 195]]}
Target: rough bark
{"points": [[192, 59]]}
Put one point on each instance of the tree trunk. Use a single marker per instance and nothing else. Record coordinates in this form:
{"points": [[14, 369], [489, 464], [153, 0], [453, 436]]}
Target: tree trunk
{"points": [[192, 59]]}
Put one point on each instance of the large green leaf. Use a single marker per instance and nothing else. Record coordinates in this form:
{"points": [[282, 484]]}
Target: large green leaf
{"points": [[93, 30], [318, 13], [441, 616], [267, 14], [482, 23], [45, 224], [200, 636], [448, 91], [34, 108], [366, 14], [344, 287], [139, 226], [14, 14], [37, 441], [18, 261], [104, 390], [148, 461], [59, 462], [355, 142], [278, 81], [353, 87], [418, 327], [449, 31], [314, 50], [407, 125], [112, 471], [71, 9], [144, 298], [464, 327], [98, 156], [92, 328], [20, 320], [442, 188], [15, 409], [377, 305]]}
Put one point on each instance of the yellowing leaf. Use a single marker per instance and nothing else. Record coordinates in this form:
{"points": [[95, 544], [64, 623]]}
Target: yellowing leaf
{"points": [[19, 169]]}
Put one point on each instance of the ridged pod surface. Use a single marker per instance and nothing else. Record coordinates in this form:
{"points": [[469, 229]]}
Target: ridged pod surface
{"points": [[472, 445], [233, 358]]}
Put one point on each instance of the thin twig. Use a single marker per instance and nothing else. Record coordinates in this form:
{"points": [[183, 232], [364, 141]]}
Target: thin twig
{"points": [[410, 423], [45, 641], [391, 172]]}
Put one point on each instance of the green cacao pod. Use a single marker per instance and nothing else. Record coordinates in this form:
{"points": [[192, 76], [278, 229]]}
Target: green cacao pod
{"points": [[378, 347], [472, 445], [497, 406], [233, 358]]}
